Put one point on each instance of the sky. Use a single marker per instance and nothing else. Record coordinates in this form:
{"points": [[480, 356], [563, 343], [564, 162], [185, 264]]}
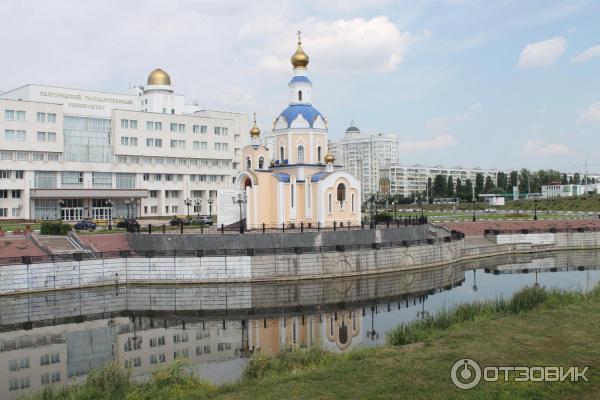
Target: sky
{"points": [[491, 84]]}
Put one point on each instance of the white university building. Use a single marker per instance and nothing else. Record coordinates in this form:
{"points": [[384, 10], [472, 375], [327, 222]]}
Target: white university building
{"points": [[73, 154], [372, 158]]}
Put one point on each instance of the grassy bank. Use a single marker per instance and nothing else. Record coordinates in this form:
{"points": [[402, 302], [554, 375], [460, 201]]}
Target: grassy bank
{"points": [[534, 328]]}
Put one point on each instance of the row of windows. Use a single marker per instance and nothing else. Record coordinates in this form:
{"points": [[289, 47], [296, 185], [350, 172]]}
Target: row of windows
{"points": [[19, 115], [174, 161], [46, 136], [174, 144], [8, 174], [173, 127], [299, 154], [12, 135], [15, 193], [26, 156], [16, 212]]}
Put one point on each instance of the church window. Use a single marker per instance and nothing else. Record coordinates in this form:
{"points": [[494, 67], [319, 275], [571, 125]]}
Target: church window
{"points": [[299, 95], [341, 193], [292, 195], [319, 154], [248, 163], [261, 162], [330, 203], [281, 154], [352, 205], [300, 154]]}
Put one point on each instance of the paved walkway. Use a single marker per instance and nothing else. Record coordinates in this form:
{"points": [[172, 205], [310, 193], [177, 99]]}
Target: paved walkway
{"points": [[477, 228], [106, 242], [18, 246]]}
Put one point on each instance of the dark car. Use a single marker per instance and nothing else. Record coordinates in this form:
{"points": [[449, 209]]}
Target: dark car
{"points": [[85, 225], [202, 220], [180, 221], [129, 223]]}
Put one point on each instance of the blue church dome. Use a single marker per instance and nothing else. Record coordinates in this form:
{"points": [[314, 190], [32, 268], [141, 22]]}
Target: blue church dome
{"points": [[308, 112]]}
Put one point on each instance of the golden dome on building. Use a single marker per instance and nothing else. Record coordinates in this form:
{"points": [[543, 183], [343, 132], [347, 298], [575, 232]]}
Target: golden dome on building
{"points": [[329, 158], [300, 58], [159, 77], [255, 131]]}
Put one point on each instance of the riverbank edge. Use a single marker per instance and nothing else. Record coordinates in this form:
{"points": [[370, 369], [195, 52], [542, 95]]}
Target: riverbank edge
{"points": [[479, 252]]}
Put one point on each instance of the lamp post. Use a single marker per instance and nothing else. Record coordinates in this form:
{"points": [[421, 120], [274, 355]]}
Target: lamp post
{"points": [[239, 200], [474, 219], [197, 206], [210, 203], [474, 281], [127, 203], [535, 201], [371, 210], [109, 203], [188, 203], [61, 204], [372, 334], [394, 205]]}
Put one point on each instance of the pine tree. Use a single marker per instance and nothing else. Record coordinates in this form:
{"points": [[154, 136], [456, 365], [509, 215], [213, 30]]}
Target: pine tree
{"points": [[450, 187]]}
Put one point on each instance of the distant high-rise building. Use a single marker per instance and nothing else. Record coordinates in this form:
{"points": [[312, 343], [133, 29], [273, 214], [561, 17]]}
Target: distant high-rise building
{"points": [[364, 155]]}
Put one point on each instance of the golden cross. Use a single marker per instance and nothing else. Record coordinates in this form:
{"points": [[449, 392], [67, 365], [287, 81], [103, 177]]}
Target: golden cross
{"points": [[299, 33]]}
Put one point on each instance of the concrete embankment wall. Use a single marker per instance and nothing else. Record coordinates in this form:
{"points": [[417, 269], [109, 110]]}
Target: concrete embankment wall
{"points": [[571, 239], [144, 242]]}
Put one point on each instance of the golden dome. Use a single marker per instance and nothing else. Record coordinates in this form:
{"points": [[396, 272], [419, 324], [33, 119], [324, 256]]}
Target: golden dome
{"points": [[159, 77], [300, 58], [254, 131], [329, 158]]}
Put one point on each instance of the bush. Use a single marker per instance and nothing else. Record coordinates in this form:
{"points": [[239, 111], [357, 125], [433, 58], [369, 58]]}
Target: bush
{"points": [[54, 228], [384, 217]]}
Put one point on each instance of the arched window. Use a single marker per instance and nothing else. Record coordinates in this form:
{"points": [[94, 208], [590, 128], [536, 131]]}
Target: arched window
{"points": [[261, 162], [341, 192], [248, 163], [292, 195], [319, 154], [300, 154], [299, 95], [330, 203], [281, 154], [352, 205]]}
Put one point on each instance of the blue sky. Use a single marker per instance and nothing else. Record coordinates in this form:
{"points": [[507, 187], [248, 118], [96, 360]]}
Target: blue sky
{"points": [[505, 84]]}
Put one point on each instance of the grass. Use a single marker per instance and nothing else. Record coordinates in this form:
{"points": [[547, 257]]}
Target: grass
{"points": [[536, 327]]}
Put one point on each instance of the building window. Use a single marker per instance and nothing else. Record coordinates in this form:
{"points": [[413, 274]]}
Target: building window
{"points": [[102, 179], [352, 205], [299, 95], [41, 117], [292, 203], [248, 163], [51, 118], [330, 203], [71, 178], [341, 193], [125, 181], [281, 154], [319, 154], [300, 154], [261, 162]]}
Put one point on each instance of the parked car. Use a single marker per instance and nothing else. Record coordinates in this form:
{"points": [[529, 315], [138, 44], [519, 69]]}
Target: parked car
{"points": [[85, 225], [176, 221], [202, 220], [129, 223]]}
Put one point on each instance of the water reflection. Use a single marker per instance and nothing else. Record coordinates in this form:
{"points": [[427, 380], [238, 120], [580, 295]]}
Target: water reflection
{"points": [[55, 338]]}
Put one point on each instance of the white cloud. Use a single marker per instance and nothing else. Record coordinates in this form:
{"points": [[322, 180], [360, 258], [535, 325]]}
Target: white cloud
{"points": [[356, 44], [587, 55], [540, 147], [542, 54], [592, 114], [438, 142], [444, 122]]}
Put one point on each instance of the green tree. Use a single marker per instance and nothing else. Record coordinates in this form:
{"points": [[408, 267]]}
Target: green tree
{"points": [[439, 186], [450, 187], [514, 180], [524, 180], [489, 184], [502, 180], [429, 187], [576, 178], [563, 179], [468, 192], [459, 188], [478, 184]]}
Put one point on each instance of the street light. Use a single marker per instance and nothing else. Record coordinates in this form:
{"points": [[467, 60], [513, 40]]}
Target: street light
{"points": [[188, 203], [197, 206], [372, 334], [535, 201], [109, 203], [210, 203], [394, 205], [239, 200], [61, 204], [127, 203], [474, 219]]}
